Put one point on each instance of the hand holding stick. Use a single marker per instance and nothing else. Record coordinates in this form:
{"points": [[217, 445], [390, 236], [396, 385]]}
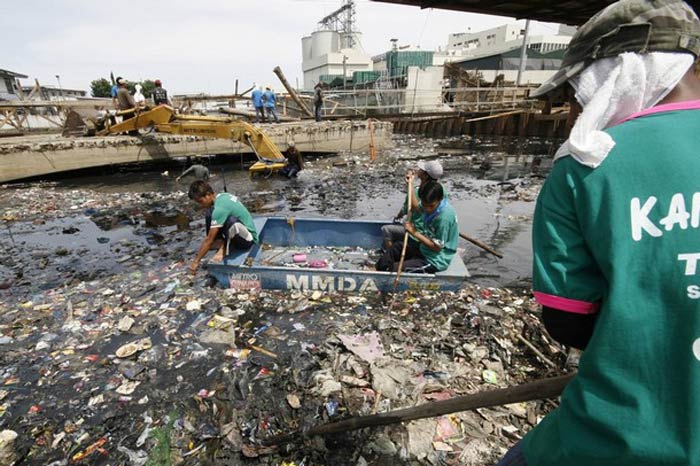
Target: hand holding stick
{"points": [[405, 236]]}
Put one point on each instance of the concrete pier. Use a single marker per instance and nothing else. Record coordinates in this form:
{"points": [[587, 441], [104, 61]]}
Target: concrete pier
{"points": [[32, 156]]}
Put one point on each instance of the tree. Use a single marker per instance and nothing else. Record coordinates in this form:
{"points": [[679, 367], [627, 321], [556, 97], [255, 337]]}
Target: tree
{"points": [[101, 88], [148, 86]]}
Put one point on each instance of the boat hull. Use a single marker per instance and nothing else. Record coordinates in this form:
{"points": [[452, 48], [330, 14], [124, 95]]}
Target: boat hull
{"points": [[247, 269]]}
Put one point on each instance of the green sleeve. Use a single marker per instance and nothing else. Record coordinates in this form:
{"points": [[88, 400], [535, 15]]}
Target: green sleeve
{"points": [[563, 265]]}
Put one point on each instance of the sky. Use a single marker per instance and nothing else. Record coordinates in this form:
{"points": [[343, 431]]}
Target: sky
{"points": [[201, 46]]}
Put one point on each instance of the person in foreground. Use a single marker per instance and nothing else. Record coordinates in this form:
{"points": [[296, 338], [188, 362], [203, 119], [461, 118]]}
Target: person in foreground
{"points": [[435, 244], [229, 225], [616, 244]]}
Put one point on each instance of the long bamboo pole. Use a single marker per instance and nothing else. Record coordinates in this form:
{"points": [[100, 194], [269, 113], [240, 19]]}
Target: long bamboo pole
{"points": [[481, 245], [278, 71], [539, 389], [405, 236]]}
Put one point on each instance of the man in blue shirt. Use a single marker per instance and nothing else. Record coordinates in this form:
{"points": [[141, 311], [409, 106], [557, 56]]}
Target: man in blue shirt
{"points": [[270, 101], [114, 90], [257, 97]]}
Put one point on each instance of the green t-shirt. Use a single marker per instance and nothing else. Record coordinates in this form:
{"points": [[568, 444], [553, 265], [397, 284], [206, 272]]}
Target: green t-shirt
{"points": [[417, 214], [623, 240], [226, 205], [443, 231]]}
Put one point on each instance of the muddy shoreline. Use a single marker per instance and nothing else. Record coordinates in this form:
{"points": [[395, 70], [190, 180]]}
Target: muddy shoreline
{"points": [[94, 263]]}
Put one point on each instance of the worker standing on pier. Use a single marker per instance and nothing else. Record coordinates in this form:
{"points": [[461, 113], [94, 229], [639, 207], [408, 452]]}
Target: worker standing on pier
{"points": [[228, 223], [318, 101], [270, 100], [125, 101], [257, 97], [113, 92], [616, 243], [160, 95], [139, 98]]}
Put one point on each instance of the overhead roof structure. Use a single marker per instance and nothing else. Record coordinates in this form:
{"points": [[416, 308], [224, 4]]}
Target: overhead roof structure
{"points": [[12, 74], [573, 12]]}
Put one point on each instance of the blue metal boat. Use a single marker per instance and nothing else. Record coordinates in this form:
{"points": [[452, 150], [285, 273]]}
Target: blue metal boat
{"points": [[324, 255]]}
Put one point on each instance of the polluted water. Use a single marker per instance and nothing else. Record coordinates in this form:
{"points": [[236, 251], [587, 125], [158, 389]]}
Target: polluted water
{"points": [[112, 353]]}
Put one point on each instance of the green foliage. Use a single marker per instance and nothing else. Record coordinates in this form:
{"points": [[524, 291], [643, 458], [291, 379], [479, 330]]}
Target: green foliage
{"points": [[148, 86], [160, 454], [101, 88]]}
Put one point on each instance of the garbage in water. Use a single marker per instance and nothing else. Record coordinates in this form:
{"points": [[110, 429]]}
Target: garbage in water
{"points": [[113, 354]]}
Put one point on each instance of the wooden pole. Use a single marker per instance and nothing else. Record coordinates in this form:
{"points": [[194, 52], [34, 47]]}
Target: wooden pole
{"points": [[246, 91], [481, 245], [372, 153], [498, 115], [405, 236], [292, 92], [539, 389]]}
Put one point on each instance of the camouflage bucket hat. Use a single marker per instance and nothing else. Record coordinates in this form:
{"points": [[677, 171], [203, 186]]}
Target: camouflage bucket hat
{"points": [[639, 26]]}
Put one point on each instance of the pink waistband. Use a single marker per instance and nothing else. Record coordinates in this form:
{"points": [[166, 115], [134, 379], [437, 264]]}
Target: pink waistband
{"points": [[566, 304], [687, 105]]}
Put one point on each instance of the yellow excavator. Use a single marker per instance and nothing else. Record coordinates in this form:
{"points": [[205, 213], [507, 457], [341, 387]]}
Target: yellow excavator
{"points": [[164, 120]]}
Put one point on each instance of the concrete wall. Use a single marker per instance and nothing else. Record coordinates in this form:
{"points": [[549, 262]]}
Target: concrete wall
{"points": [[424, 89], [31, 156]]}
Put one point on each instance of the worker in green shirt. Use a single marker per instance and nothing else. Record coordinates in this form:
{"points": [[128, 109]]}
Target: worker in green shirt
{"points": [[424, 171], [616, 242], [229, 225], [435, 244]]}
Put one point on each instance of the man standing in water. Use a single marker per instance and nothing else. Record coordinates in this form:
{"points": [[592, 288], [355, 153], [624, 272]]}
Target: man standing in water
{"points": [[616, 244]]}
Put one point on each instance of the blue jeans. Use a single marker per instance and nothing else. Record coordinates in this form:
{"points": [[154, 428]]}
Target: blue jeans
{"points": [[271, 111], [514, 457], [290, 171], [317, 111]]}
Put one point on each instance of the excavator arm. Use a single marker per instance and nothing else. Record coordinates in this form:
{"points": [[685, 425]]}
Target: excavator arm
{"points": [[164, 120]]}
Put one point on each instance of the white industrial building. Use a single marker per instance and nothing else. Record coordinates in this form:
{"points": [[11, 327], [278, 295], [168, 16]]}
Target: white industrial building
{"points": [[334, 50], [324, 54], [503, 38]]}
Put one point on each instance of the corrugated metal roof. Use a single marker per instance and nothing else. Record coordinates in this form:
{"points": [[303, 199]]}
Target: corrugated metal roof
{"points": [[574, 12], [12, 74]]}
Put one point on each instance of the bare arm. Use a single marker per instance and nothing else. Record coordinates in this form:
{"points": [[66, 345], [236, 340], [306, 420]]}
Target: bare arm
{"points": [[204, 248], [185, 173], [430, 244]]}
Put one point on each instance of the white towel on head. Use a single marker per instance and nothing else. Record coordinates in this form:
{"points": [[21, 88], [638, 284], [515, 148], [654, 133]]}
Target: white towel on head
{"points": [[612, 89]]}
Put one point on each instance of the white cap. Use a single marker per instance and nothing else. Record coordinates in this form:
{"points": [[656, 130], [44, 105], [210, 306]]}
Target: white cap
{"points": [[433, 168]]}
